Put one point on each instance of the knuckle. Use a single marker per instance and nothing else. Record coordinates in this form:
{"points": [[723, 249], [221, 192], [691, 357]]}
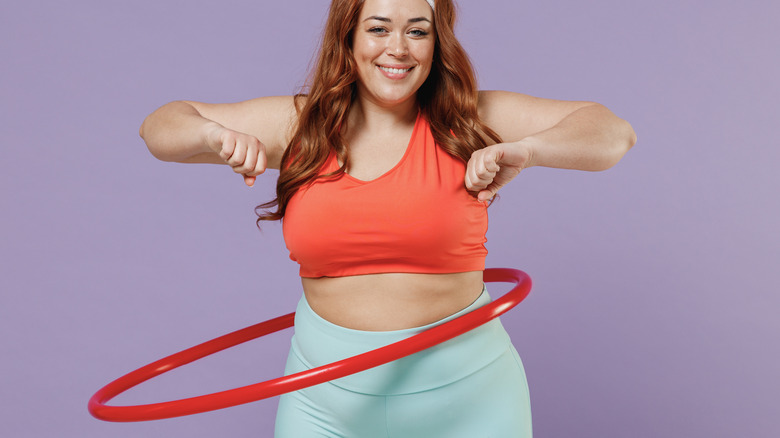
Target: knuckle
{"points": [[247, 166]]}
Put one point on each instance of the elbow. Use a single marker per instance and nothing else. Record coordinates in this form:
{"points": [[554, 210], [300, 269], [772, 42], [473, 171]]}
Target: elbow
{"points": [[156, 152], [612, 136], [159, 153], [148, 131], [628, 138], [624, 139], [142, 133], [630, 135]]}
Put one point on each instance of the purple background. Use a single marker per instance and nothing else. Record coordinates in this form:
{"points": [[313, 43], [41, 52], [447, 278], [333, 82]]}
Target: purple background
{"points": [[654, 310]]}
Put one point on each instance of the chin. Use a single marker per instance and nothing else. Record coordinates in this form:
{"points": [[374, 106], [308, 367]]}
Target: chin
{"points": [[396, 98]]}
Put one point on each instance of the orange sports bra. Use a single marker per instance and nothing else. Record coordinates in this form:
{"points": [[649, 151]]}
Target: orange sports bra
{"points": [[415, 218]]}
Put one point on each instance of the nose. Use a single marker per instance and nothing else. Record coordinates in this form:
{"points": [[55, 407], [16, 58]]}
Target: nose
{"points": [[397, 46]]}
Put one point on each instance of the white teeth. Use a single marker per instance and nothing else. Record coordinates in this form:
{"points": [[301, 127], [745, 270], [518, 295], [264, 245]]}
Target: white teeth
{"points": [[395, 70]]}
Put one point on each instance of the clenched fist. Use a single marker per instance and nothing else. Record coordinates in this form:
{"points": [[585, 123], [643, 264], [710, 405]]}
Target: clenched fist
{"points": [[242, 152], [493, 167]]}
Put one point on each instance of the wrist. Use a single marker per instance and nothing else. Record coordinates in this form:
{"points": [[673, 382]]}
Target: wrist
{"points": [[526, 152]]}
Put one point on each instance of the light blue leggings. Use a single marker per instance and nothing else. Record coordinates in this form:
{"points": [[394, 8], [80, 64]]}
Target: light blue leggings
{"points": [[472, 386]]}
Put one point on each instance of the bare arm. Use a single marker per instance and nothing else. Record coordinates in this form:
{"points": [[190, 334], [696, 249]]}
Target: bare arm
{"points": [[544, 132], [563, 134], [249, 136]]}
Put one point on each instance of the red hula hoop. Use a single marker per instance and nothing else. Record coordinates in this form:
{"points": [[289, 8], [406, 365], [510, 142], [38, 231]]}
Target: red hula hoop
{"points": [[293, 382]]}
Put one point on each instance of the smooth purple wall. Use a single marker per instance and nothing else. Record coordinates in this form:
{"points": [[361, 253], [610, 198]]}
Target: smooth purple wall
{"points": [[654, 310]]}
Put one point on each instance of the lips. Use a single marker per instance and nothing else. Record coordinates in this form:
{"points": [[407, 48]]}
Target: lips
{"points": [[396, 71]]}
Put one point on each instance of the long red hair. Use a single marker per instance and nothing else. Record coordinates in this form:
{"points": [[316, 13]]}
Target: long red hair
{"points": [[447, 99]]}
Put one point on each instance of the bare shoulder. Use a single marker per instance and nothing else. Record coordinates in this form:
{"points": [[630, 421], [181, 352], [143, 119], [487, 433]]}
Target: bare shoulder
{"points": [[515, 115], [271, 119]]}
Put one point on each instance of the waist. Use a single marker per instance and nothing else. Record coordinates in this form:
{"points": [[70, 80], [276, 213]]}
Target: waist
{"points": [[317, 342], [395, 301]]}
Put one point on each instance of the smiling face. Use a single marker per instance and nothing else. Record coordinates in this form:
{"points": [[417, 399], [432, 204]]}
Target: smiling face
{"points": [[393, 46]]}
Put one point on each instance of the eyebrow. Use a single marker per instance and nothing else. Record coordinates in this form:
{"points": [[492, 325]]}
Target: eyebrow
{"points": [[387, 20]]}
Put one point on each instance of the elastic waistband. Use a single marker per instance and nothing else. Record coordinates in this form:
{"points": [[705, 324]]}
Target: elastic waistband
{"points": [[318, 342]]}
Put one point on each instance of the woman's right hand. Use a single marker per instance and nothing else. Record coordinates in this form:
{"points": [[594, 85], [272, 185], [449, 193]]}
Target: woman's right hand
{"points": [[244, 153], [249, 136]]}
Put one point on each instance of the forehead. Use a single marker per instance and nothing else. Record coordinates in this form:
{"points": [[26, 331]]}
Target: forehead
{"points": [[396, 9]]}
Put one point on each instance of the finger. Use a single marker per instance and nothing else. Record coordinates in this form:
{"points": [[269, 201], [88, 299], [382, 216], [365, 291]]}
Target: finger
{"points": [[260, 162], [483, 173], [228, 146], [477, 179], [473, 181], [250, 160], [249, 180], [489, 161], [491, 164], [239, 155], [485, 195], [471, 177]]}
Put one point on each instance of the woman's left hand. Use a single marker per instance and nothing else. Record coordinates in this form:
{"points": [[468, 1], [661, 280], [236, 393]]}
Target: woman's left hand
{"points": [[493, 167]]}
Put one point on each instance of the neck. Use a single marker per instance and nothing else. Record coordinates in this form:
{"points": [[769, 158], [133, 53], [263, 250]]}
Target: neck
{"points": [[368, 115]]}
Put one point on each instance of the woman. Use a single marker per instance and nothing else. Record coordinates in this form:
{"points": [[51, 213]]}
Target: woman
{"points": [[388, 165]]}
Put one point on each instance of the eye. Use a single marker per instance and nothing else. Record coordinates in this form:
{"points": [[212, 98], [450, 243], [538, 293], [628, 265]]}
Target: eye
{"points": [[418, 32], [377, 30]]}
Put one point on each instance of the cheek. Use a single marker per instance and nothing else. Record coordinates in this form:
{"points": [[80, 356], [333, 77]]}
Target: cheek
{"points": [[425, 55], [375, 48], [367, 50], [430, 54]]}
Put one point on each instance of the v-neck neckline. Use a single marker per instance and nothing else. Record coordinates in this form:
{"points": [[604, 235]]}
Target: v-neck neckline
{"points": [[397, 165]]}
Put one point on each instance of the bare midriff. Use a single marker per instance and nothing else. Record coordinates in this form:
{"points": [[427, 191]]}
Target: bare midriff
{"points": [[395, 301]]}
